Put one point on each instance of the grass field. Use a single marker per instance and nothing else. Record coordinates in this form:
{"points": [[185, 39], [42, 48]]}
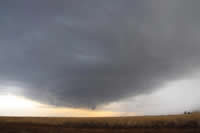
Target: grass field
{"points": [[144, 124]]}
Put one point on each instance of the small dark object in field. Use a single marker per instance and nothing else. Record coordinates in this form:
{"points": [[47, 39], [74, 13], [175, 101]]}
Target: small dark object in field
{"points": [[187, 113]]}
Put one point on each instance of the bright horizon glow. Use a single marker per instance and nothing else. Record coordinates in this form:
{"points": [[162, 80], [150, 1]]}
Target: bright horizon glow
{"points": [[10, 101], [185, 97], [11, 105]]}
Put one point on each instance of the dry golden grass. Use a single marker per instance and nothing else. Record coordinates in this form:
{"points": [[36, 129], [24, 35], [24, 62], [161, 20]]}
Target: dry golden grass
{"points": [[171, 123]]}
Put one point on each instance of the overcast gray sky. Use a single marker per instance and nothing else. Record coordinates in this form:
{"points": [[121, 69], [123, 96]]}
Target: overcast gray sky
{"points": [[92, 53]]}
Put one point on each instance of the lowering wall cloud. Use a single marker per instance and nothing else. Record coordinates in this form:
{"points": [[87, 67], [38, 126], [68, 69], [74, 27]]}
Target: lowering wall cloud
{"points": [[84, 54]]}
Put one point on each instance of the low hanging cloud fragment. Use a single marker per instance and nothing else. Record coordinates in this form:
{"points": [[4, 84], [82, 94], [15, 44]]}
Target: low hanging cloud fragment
{"points": [[87, 53]]}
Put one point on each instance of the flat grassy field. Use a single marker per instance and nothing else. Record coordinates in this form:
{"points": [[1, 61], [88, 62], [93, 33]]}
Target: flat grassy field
{"points": [[144, 124]]}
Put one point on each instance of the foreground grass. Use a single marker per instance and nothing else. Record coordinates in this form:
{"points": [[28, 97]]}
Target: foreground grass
{"points": [[147, 124]]}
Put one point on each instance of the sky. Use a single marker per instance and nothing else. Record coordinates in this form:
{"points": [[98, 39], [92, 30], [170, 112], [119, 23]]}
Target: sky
{"points": [[99, 58]]}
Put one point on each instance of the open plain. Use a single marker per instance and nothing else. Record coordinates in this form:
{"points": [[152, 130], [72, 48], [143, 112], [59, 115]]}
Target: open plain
{"points": [[144, 124]]}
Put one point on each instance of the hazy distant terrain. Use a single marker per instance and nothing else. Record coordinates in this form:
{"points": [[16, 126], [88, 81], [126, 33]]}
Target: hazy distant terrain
{"points": [[145, 124]]}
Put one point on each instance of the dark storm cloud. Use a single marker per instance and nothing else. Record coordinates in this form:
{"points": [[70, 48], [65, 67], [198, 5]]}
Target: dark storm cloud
{"points": [[85, 53]]}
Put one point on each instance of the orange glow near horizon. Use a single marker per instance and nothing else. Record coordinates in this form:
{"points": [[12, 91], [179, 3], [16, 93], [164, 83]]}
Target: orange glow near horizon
{"points": [[11, 105]]}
